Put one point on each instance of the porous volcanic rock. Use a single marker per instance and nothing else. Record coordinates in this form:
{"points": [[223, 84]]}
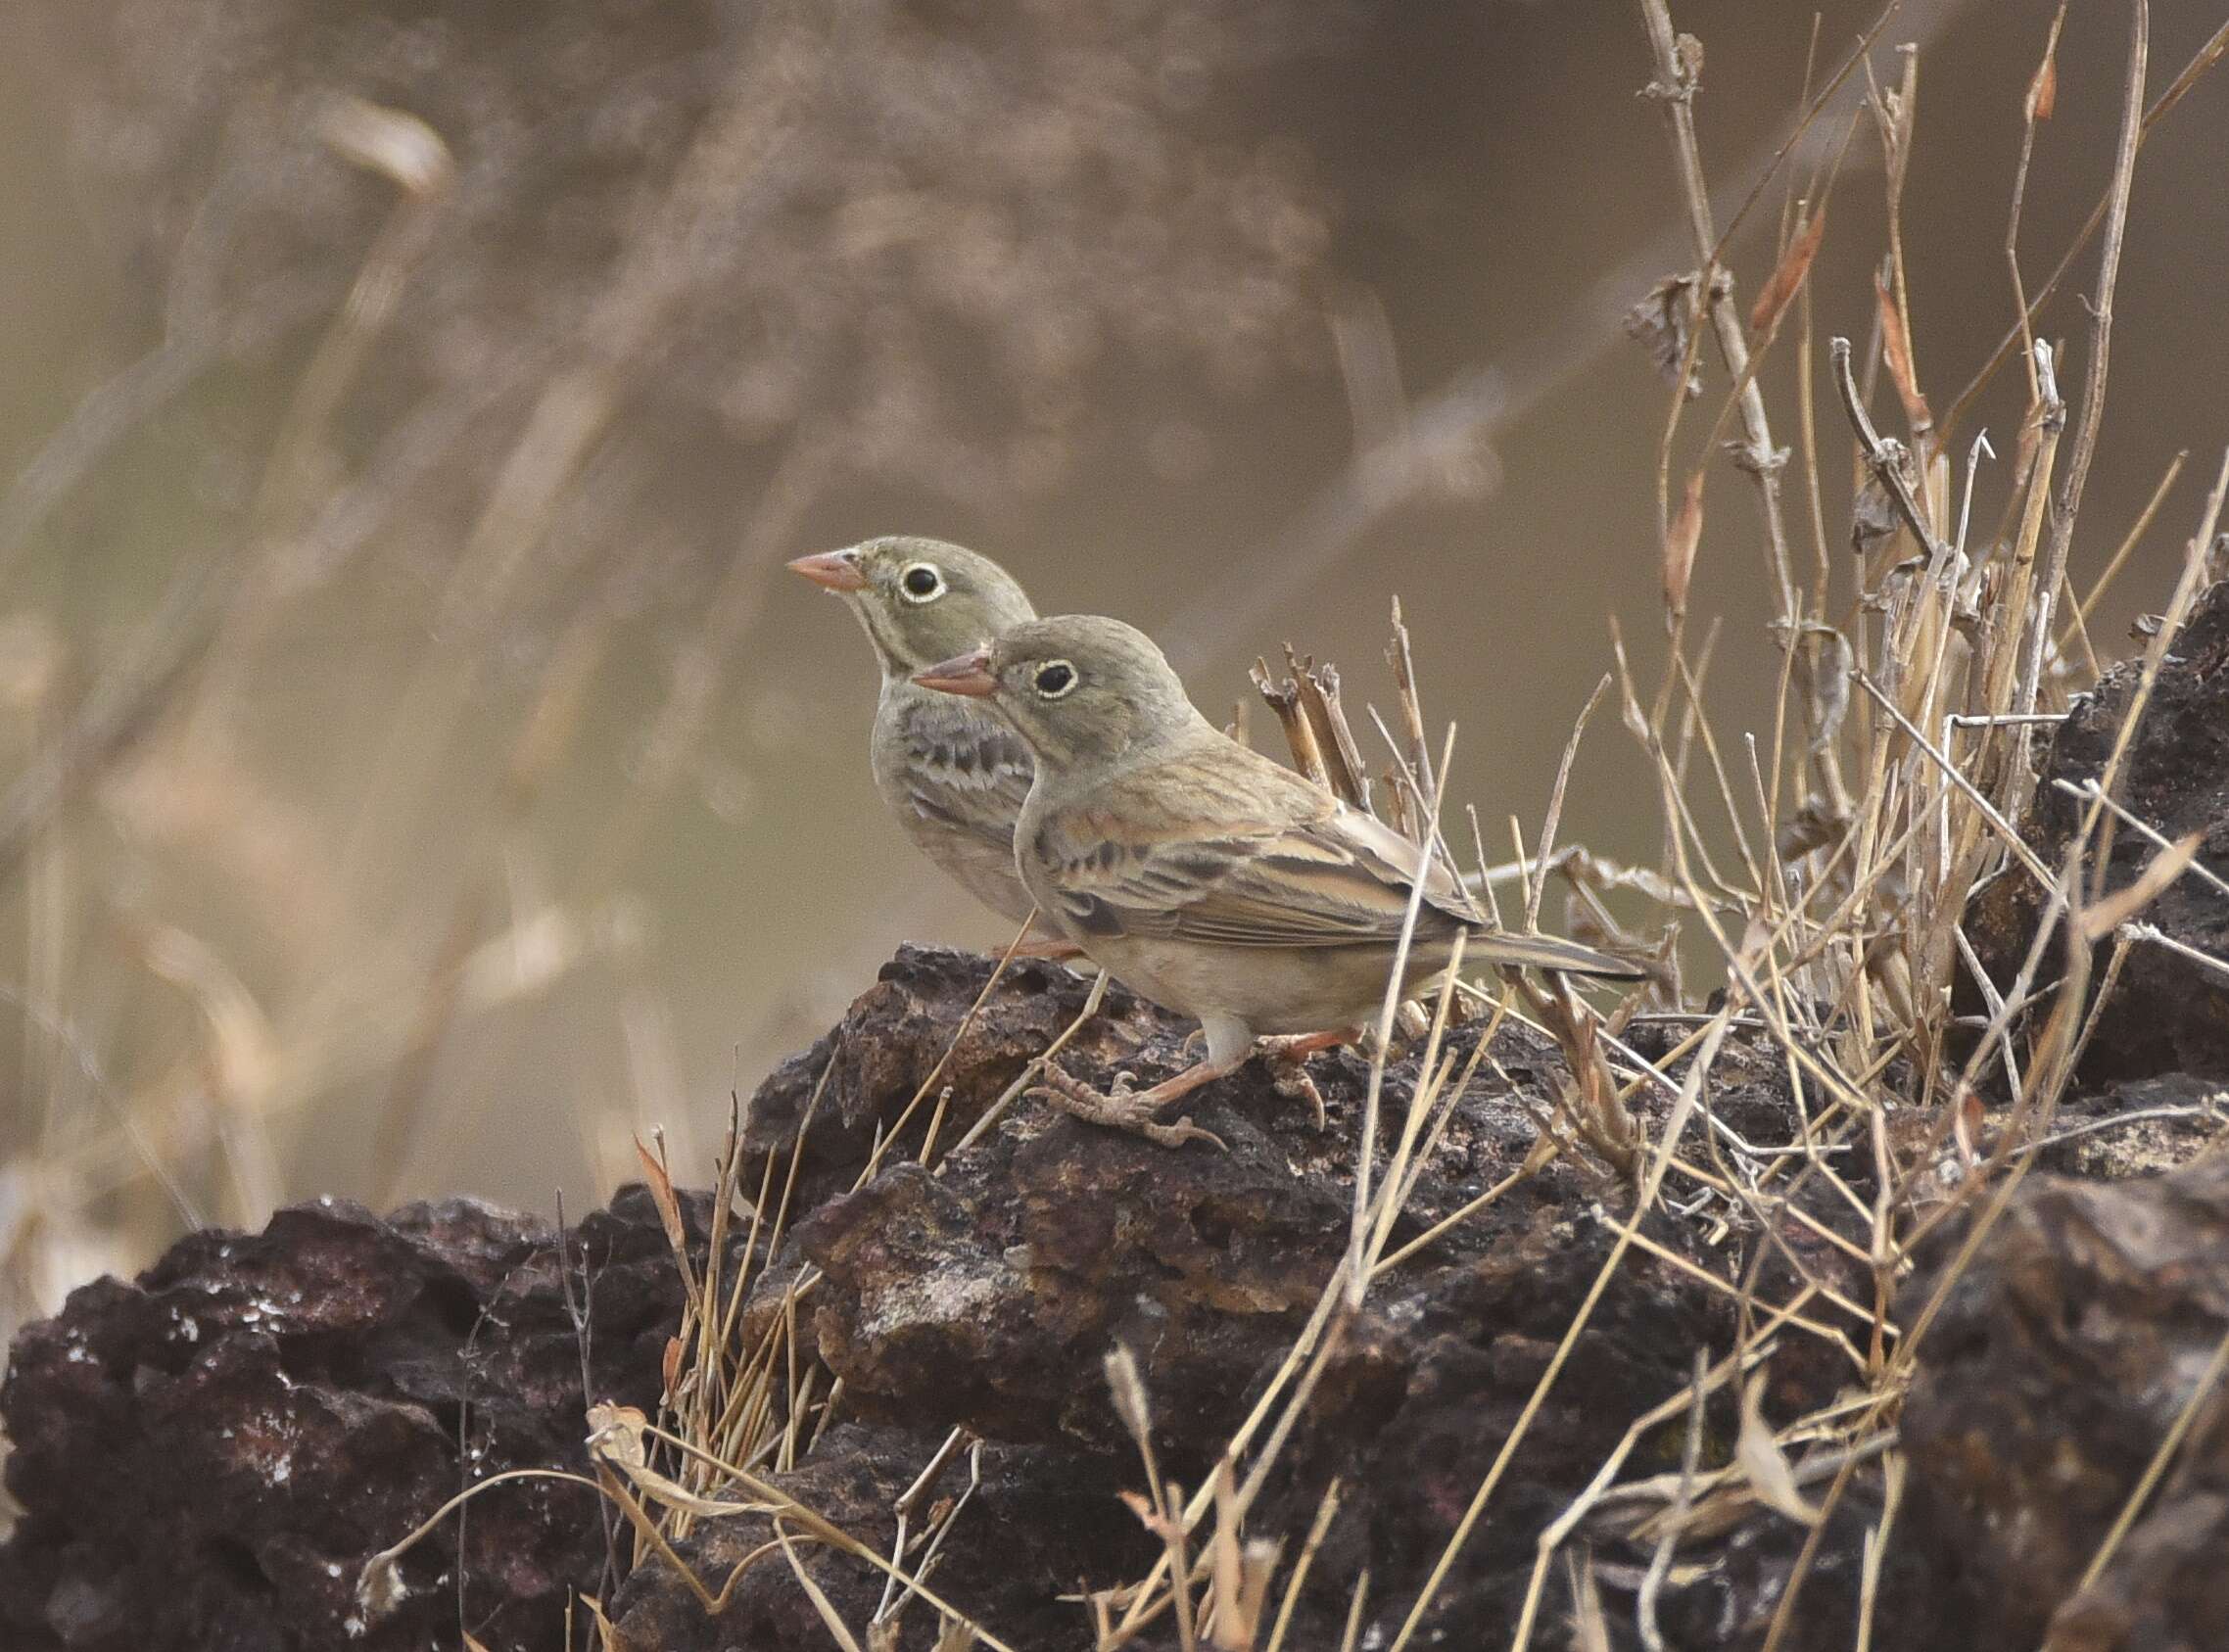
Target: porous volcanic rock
{"points": [[207, 1457], [1038, 1523], [986, 1294], [2061, 1360], [2164, 1017]]}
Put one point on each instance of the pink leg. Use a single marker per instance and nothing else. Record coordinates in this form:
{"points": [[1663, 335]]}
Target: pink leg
{"points": [[1124, 1109]]}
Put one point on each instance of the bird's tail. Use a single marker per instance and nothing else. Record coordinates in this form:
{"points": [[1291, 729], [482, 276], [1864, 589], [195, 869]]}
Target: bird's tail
{"points": [[1545, 952]]}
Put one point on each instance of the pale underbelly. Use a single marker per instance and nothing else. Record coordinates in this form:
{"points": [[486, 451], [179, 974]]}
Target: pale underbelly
{"points": [[1270, 989], [976, 864]]}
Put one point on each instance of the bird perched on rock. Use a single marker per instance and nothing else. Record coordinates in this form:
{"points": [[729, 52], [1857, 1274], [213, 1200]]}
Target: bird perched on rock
{"points": [[1216, 881], [951, 770]]}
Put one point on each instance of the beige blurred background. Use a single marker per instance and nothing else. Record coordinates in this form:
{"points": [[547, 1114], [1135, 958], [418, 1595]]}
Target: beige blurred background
{"points": [[465, 789]]}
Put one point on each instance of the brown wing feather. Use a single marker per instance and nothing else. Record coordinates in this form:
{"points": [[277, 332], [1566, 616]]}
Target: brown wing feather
{"points": [[1225, 846]]}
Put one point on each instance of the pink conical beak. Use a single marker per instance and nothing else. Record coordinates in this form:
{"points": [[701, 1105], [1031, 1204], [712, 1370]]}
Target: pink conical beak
{"points": [[966, 674], [835, 570]]}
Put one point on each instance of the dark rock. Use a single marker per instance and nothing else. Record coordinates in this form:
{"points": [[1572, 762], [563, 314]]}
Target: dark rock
{"points": [[864, 1070], [2164, 1017], [2061, 1359], [1038, 1523], [987, 1296], [207, 1456], [2135, 1128]]}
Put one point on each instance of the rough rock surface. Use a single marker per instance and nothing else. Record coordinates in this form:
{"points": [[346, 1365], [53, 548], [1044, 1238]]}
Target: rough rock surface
{"points": [[222, 1486], [987, 1296], [2060, 1361], [2164, 1018], [207, 1457], [1040, 1523]]}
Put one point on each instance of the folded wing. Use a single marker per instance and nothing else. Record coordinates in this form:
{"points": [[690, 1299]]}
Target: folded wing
{"points": [[1241, 855]]}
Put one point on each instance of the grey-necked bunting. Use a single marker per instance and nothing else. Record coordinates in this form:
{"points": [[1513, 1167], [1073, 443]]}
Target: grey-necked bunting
{"points": [[1198, 872]]}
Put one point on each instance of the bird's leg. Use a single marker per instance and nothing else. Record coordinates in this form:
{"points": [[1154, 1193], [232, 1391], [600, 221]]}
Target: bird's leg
{"points": [[1287, 1055], [1125, 1108], [1048, 947]]}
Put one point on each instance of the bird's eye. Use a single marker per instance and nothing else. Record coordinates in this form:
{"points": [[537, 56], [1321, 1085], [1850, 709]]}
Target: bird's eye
{"points": [[922, 583], [1055, 677]]}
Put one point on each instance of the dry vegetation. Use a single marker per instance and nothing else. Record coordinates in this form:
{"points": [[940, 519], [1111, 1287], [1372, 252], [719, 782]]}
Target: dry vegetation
{"points": [[1815, 891], [1817, 883]]}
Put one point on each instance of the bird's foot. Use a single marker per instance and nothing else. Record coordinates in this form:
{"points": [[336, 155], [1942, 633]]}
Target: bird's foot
{"points": [[1289, 1075], [1287, 1055], [1124, 1108]]}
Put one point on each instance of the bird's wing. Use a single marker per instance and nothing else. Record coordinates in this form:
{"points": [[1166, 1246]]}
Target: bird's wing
{"points": [[1225, 847], [1391, 858]]}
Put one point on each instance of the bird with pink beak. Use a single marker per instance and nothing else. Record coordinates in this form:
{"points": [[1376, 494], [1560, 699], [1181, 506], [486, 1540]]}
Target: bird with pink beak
{"points": [[1221, 884], [951, 771]]}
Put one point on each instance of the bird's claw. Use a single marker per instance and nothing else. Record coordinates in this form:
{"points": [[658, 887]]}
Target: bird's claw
{"points": [[1291, 1080], [1287, 1055], [1120, 1108]]}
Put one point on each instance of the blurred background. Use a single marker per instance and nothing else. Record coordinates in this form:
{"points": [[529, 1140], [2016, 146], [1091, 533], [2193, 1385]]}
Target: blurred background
{"points": [[418, 774]]}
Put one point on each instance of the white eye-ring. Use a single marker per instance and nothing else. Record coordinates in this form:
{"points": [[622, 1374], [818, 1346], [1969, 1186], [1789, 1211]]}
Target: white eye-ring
{"points": [[1053, 678], [922, 583]]}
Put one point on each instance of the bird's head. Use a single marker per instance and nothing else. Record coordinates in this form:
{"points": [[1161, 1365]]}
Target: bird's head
{"points": [[1083, 690], [920, 600]]}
